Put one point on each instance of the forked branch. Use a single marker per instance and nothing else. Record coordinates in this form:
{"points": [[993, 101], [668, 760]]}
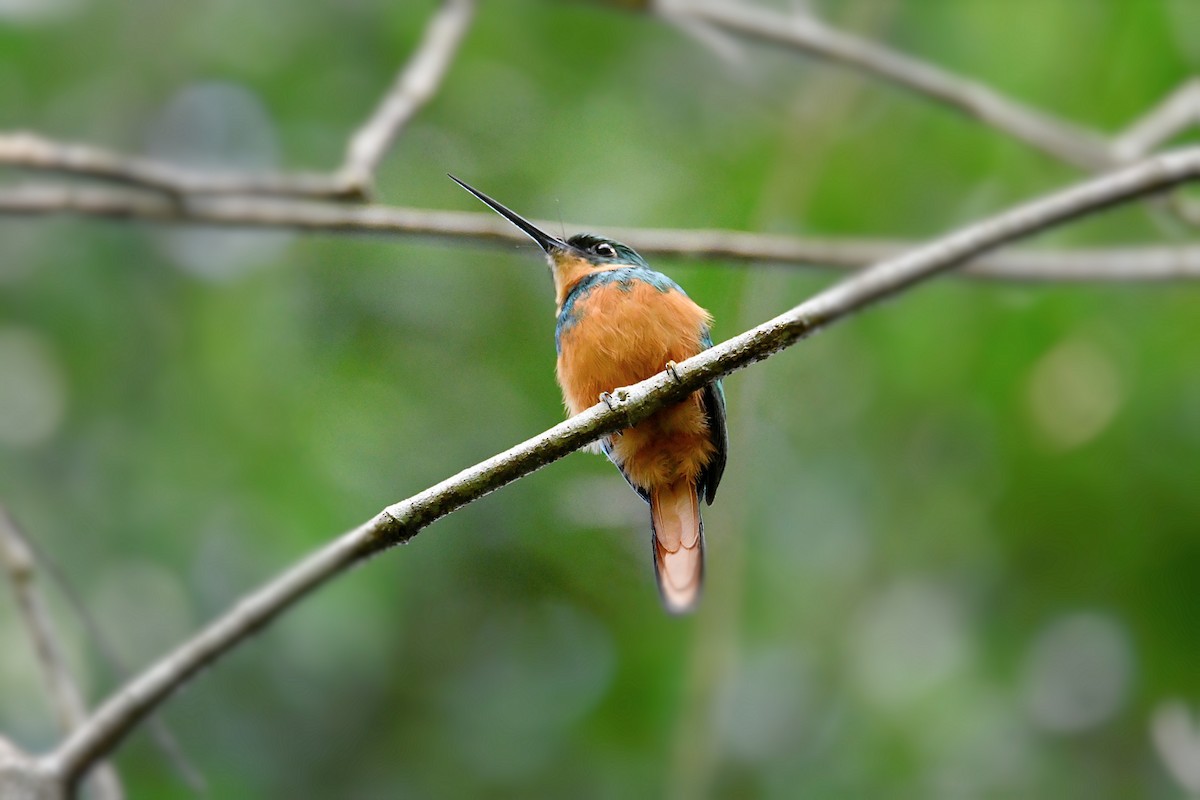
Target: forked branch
{"points": [[17, 561], [415, 85], [804, 33], [1067, 141]]}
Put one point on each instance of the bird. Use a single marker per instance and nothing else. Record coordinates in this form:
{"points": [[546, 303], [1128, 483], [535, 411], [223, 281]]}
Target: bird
{"points": [[619, 322]]}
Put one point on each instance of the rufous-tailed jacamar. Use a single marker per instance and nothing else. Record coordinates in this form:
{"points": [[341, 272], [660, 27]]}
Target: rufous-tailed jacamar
{"points": [[620, 322]]}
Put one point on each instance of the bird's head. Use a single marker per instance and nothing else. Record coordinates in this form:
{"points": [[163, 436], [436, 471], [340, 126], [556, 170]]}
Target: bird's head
{"points": [[570, 259]]}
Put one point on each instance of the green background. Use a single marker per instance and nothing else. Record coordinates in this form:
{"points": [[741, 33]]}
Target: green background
{"points": [[956, 550]]}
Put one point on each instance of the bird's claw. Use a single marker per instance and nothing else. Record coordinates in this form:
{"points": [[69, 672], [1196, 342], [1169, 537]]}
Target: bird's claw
{"points": [[608, 400], [673, 368]]}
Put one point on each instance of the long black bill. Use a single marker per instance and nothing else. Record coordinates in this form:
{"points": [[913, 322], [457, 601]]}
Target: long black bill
{"points": [[544, 240]]}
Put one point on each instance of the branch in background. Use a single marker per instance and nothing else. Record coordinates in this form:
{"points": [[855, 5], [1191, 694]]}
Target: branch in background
{"points": [[1066, 141], [34, 152], [1063, 140], [191, 191], [160, 734], [420, 78], [1177, 739], [1175, 114], [417, 83], [414, 87], [16, 558], [399, 523], [1103, 264], [1178, 111], [22, 777]]}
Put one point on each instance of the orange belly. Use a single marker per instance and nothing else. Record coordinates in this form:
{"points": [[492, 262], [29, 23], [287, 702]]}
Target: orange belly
{"points": [[623, 335]]}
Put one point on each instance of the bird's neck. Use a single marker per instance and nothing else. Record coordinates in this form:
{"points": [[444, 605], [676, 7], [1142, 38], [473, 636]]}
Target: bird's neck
{"points": [[570, 271]]}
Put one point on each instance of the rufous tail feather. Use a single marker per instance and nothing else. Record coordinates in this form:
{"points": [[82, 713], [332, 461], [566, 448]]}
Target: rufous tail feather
{"points": [[678, 545]]}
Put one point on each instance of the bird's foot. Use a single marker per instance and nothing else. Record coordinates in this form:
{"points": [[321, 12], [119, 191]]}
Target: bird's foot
{"points": [[673, 368], [614, 398]]}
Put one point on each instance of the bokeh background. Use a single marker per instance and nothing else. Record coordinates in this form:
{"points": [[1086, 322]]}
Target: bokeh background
{"points": [[957, 549]]}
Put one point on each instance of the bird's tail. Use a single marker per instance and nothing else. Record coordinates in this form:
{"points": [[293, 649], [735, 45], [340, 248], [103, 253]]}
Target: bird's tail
{"points": [[678, 540]]}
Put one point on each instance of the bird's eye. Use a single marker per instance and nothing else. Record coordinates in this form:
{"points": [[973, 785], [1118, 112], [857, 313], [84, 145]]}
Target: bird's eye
{"points": [[605, 249]]}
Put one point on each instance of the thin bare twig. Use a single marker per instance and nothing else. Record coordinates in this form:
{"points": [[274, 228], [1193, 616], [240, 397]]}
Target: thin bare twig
{"points": [[160, 734], [16, 558], [1150, 263], [414, 87], [1067, 141], [34, 152], [419, 79], [400, 522], [416, 84], [1174, 114], [1063, 140]]}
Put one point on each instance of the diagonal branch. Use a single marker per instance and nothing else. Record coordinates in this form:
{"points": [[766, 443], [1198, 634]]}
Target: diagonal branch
{"points": [[16, 558], [399, 523], [1174, 114], [1066, 141], [413, 88], [1150, 263], [1063, 140]]}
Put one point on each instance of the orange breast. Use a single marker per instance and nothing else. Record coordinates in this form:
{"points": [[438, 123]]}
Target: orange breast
{"points": [[622, 333]]}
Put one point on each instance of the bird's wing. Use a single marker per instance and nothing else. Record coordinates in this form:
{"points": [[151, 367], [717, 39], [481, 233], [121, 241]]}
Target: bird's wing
{"points": [[713, 398], [606, 445]]}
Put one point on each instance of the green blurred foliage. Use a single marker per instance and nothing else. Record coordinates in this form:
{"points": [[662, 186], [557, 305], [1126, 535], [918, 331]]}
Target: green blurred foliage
{"points": [[956, 551]]}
